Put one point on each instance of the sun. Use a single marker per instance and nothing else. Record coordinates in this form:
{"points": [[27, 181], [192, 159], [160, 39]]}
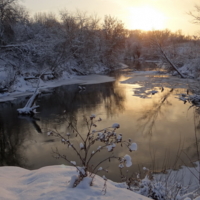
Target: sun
{"points": [[145, 18]]}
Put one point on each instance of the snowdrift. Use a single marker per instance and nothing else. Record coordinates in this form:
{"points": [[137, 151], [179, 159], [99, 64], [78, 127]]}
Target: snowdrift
{"points": [[52, 182]]}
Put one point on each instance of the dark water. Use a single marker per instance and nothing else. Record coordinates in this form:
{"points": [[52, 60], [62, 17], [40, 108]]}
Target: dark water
{"points": [[165, 129]]}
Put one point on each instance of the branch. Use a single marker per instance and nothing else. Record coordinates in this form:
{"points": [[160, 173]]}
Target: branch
{"points": [[104, 161], [69, 143]]}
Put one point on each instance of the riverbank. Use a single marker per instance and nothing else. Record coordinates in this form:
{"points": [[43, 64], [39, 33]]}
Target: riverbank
{"points": [[53, 182], [23, 88]]}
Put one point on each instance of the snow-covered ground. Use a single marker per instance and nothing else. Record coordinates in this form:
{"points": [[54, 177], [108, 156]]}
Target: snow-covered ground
{"points": [[152, 78], [147, 83], [186, 177], [53, 183], [26, 88]]}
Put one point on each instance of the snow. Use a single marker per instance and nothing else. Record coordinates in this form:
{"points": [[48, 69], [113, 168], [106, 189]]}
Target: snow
{"points": [[121, 166], [92, 116], [30, 106], [100, 168], [73, 162], [104, 177], [55, 182], [119, 137], [81, 146], [146, 84], [49, 133], [81, 170], [154, 92], [185, 176], [98, 148], [111, 147], [72, 181], [133, 147], [191, 68], [123, 66], [26, 110], [194, 99], [25, 88], [115, 125], [101, 135], [127, 160]]}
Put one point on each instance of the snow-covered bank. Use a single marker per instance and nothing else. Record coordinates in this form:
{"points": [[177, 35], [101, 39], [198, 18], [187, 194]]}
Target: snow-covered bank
{"points": [[156, 79], [146, 81], [182, 184], [53, 183], [26, 88]]}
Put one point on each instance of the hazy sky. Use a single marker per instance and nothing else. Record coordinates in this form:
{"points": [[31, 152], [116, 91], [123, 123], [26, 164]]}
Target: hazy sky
{"points": [[136, 14]]}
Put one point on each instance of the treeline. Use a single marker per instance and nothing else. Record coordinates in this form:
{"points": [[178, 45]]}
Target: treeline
{"points": [[142, 43], [76, 43]]}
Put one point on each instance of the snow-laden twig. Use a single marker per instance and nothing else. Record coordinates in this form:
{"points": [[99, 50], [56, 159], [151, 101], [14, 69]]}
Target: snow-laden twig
{"points": [[86, 153]]}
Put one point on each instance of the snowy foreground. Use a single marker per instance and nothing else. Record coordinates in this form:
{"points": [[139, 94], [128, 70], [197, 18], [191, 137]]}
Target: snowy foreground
{"points": [[53, 182]]}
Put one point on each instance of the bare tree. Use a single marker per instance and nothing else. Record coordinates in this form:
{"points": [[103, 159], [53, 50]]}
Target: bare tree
{"points": [[195, 14], [10, 13], [158, 40], [114, 40]]}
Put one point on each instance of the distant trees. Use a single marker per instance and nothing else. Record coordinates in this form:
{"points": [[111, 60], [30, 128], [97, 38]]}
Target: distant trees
{"points": [[139, 43], [90, 43], [10, 14], [113, 34], [7, 16], [159, 42], [173, 49], [81, 39], [133, 48], [78, 43]]}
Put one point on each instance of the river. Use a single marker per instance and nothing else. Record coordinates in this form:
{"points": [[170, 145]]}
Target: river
{"points": [[166, 130]]}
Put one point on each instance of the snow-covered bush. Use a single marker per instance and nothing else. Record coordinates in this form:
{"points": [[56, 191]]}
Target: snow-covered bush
{"points": [[162, 187], [86, 150]]}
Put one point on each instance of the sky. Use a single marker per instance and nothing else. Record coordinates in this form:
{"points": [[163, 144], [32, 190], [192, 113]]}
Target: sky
{"points": [[135, 14]]}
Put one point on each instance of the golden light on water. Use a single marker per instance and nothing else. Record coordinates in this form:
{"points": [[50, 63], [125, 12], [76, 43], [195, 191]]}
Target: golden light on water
{"points": [[145, 18]]}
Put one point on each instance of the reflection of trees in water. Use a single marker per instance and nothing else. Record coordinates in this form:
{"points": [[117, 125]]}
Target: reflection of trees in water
{"points": [[190, 155], [187, 151], [194, 149], [55, 108], [11, 137], [151, 113], [33, 120], [197, 132], [68, 101]]}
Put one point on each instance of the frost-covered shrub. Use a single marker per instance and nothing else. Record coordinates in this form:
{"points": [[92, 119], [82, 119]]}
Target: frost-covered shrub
{"points": [[162, 188], [150, 188], [86, 149]]}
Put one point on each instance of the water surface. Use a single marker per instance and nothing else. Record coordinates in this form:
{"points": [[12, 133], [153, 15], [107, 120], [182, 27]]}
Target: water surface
{"points": [[165, 129]]}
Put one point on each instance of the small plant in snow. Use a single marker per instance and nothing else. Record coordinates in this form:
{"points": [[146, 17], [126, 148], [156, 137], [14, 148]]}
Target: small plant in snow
{"points": [[156, 189], [86, 149]]}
